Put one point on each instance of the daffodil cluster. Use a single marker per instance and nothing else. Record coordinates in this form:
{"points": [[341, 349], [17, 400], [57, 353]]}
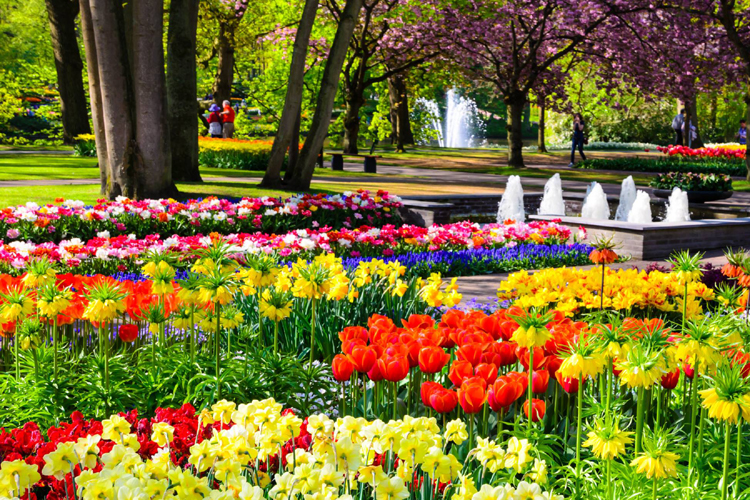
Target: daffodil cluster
{"points": [[572, 290], [346, 458]]}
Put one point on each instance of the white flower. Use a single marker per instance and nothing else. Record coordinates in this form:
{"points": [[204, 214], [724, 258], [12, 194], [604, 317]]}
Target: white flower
{"points": [[102, 234]]}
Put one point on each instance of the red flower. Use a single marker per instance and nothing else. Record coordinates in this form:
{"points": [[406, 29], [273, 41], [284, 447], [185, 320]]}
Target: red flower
{"points": [[427, 389], [128, 332], [443, 400], [432, 359], [342, 368], [689, 371], [604, 256], [471, 353], [472, 395], [394, 368], [363, 357], [487, 371], [538, 406], [539, 381], [460, 370], [504, 393], [569, 385], [669, 381]]}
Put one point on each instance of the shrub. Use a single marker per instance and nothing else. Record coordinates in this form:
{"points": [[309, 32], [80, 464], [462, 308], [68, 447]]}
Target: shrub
{"points": [[667, 164], [85, 145], [692, 182], [234, 153]]}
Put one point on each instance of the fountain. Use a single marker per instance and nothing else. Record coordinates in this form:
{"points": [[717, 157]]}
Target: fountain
{"points": [[461, 121], [640, 213], [627, 197], [595, 205], [552, 201], [678, 209], [511, 204]]}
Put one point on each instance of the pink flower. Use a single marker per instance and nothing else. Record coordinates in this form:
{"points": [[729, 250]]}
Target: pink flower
{"points": [[12, 234]]}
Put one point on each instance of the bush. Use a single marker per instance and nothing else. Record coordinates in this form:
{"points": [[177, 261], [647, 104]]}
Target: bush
{"points": [[85, 145], [692, 182], [667, 164]]}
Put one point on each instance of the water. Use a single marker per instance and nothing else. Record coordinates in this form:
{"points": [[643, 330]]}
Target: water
{"points": [[461, 126], [677, 206], [511, 204], [595, 205], [552, 201], [627, 197], [640, 213]]}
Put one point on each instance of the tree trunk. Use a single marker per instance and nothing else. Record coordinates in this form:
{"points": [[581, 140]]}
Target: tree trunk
{"points": [[293, 101], [225, 71], [115, 84], [516, 103], [747, 118], [541, 143], [324, 107], [62, 25], [392, 115], [354, 102], [182, 89], [293, 150], [692, 118], [399, 95], [95, 94], [154, 160]]}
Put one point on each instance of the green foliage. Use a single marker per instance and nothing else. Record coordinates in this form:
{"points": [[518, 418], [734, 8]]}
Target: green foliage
{"points": [[692, 182], [667, 164]]}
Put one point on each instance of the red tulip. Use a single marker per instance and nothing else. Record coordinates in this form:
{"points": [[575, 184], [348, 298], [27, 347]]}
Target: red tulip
{"points": [[342, 368], [459, 371], [472, 395], [504, 393], [128, 332], [426, 391], [538, 406], [569, 385], [374, 373], [553, 364], [487, 371], [471, 353], [363, 357], [539, 381], [521, 378], [689, 371], [432, 359], [394, 368], [443, 400], [353, 332], [669, 381], [523, 357], [348, 344]]}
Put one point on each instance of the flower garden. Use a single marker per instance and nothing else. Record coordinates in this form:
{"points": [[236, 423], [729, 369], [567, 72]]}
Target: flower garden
{"points": [[316, 347]]}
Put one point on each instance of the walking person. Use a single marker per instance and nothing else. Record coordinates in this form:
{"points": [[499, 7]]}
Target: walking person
{"points": [[579, 138], [678, 123], [214, 121], [741, 135], [228, 118]]}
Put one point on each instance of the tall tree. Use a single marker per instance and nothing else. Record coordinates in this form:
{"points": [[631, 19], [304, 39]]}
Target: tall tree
{"points": [[62, 25], [229, 15], [386, 43], [399, 100], [290, 117], [514, 45], [133, 97], [182, 89], [305, 167]]}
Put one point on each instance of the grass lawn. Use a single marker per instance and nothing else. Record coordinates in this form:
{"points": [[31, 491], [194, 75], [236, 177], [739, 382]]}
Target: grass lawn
{"points": [[50, 166], [10, 147]]}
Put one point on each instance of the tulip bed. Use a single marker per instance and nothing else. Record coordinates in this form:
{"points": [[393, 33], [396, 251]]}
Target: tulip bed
{"points": [[462, 248]]}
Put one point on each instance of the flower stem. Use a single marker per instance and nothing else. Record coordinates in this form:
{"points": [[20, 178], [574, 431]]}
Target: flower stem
{"points": [[609, 479], [471, 431], [531, 379], [216, 346], [312, 332], [738, 451], [192, 336], [578, 434], [395, 399], [15, 349], [654, 490], [639, 420], [693, 411], [276, 337], [55, 338], [725, 475], [601, 298]]}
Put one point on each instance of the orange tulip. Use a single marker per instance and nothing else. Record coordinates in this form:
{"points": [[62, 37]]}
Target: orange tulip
{"points": [[432, 359]]}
